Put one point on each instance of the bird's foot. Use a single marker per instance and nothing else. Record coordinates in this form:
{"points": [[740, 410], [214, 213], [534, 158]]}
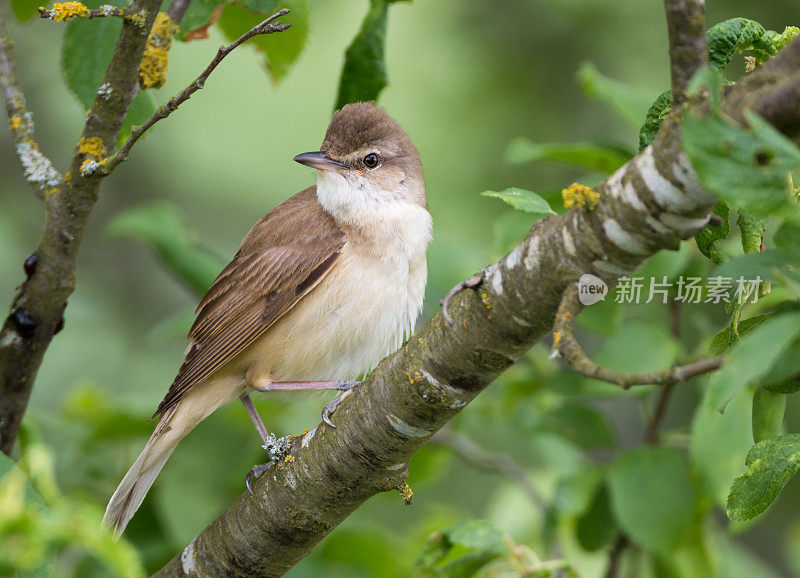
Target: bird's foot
{"points": [[330, 407], [471, 283], [255, 473]]}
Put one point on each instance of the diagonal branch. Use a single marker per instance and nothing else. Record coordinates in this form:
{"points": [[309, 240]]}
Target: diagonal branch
{"points": [[268, 26], [651, 203], [38, 169]]}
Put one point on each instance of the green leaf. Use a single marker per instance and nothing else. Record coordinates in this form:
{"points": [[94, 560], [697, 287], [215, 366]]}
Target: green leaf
{"points": [[787, 236], [656, 114], [752, 228], [747, 169], [752, 357], [364, 72], [522, 200], [473, 534], [709, 239], [727, 39], [198, 15], [85, 54], [579, 424], [722, 341], [768, 265], [640, 346], [771, 464], [142, 108], [159, 225], [279, 53], [604, 159], [483, 541], [24, 10], [719, 443], [652, 496], [629, 101], [768, 411], [596, 527]]}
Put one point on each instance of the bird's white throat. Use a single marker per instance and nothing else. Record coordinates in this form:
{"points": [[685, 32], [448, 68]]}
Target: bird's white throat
{"points": [[389, 219]]}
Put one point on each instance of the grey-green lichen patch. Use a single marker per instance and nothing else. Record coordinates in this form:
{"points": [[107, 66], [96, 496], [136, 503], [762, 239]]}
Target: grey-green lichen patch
{"points": [[277, 447], [36, 166]]}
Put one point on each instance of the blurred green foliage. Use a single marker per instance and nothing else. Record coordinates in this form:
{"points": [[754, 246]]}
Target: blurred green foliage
{"points": [[494, 101]]}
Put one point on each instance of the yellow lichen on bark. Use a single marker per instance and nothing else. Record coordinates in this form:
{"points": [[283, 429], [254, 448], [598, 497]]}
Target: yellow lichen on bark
{"points": [[66, 11], [153, 70], [580, 196], [14, 122], [92, 146]]}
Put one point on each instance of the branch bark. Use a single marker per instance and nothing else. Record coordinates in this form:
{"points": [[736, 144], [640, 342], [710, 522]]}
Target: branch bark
{"points": [[38, 308], [651, 203], [38, 169]]}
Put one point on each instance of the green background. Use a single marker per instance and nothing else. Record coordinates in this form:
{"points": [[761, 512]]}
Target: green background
{"points": [[466, 77]]}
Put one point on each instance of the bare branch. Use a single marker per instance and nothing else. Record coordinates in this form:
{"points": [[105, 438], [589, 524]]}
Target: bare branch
{"points": [[688, 53], [268, 26], [38, 169], [487, 461], [568, 346]]}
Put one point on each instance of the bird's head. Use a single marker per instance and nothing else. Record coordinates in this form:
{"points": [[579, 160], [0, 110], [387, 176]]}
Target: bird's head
{"points": [[366, 157]]}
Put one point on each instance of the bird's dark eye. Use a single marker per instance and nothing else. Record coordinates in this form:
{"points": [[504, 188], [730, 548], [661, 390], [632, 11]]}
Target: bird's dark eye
{"points": [[371, 161]]}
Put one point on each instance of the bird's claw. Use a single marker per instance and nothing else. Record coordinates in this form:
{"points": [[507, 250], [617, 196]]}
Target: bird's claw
{"points": [[255, 472], [471, 283], [330, 407]]}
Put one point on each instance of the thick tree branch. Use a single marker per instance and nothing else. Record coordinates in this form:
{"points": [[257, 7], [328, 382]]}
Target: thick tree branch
{"points": [[650, 204], [38, 169], [574, 355], [37, 310], [268, 26]]}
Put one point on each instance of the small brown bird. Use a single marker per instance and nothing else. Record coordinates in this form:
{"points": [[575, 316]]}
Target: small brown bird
{"points": [[321, 289]]}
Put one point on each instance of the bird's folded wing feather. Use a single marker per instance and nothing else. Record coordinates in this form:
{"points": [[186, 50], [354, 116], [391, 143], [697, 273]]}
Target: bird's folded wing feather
{"points": [[268, 276]]}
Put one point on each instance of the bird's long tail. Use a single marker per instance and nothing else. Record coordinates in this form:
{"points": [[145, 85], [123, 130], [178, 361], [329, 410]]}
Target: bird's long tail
{"points": [[172, 427]]}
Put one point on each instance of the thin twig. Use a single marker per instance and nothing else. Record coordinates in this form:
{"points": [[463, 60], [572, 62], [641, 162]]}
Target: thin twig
{"points": [[265, 27], [568, 346], [38, 169], [487, 461], [105, 11]]}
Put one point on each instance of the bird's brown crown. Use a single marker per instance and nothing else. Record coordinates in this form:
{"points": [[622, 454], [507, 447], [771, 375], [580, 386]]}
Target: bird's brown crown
{"points": [[362, 124]]}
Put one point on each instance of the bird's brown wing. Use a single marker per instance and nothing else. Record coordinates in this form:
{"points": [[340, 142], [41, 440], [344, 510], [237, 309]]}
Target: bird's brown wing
{"points": [[280, 261]]}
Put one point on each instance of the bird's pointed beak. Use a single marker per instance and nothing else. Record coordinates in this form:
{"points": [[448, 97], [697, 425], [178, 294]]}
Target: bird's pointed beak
{"points": [[319, 160]]}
